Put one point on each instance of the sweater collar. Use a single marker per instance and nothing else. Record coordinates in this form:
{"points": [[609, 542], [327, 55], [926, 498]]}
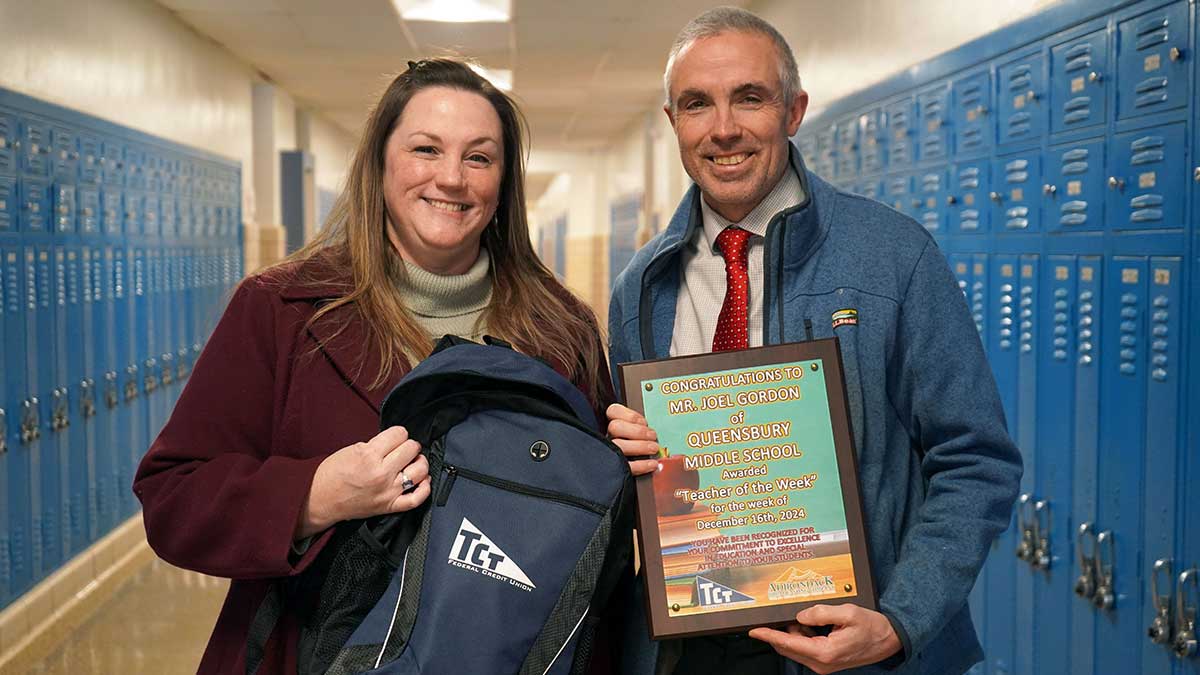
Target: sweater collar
{"points": [[431, 295]]}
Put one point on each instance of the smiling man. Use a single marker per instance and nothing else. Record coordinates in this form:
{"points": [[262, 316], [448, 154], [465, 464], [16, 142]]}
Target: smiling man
{"points": [[761, 251]]}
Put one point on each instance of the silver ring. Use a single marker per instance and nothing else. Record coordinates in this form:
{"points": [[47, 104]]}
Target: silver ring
{"points": [[406, 483]]}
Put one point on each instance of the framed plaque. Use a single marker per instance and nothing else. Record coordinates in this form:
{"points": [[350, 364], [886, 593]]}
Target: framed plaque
{"points": [[755, 512]]}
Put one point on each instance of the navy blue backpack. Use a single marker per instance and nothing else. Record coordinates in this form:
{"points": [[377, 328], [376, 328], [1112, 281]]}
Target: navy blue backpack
{"points": [[507, 567]]}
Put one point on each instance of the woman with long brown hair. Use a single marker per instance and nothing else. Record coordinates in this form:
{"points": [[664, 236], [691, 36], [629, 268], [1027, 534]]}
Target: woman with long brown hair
{"points": [[274, 438]]}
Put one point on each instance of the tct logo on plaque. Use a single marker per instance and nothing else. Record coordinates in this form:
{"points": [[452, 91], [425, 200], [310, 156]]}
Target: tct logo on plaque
{"points": [[755, 511]]}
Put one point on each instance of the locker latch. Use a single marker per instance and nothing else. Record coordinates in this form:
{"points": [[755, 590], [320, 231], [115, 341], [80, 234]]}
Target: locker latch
{"points": [[1185, 616], [181, 364], [1105, 597], [1115, 183], [111, 398], [1041, 527], [1025, 525], [60, 417], [3, 431], [1160, 629], [150, 379], [131, 383], [31, 423], [168, 368], [87, 398], [1085, 585]]}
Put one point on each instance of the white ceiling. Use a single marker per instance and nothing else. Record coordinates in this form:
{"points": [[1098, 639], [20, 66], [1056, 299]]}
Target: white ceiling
{"points": [[583, 70]]}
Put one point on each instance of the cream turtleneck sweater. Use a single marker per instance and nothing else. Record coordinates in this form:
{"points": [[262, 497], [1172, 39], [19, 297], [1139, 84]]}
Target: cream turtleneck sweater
{"points": [[449, 305]]}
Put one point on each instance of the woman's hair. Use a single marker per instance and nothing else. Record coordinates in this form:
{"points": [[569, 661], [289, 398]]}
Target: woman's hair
{"points": [[528, 307]]}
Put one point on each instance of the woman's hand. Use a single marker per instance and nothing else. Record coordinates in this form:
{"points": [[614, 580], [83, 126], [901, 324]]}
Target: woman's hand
{"points": [[366, 479], [630, 432]]}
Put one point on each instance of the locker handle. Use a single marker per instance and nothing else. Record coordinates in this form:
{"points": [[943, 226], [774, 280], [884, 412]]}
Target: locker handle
{"points": [[3, 431], [31, 423], [997, 197], [1105, 597], [1095, 77], [1160, 631], [1196, 174], [110, 389], [131, 385], [1026, 527], [1085, 584], [87, 398], [1176, 54], [1115, 183], [1041, 526], [1185, 616], [1049, 190], [60, 415]]}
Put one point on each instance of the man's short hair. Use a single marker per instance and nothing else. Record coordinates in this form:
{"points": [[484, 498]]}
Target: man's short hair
{"points": [[735, 19]]}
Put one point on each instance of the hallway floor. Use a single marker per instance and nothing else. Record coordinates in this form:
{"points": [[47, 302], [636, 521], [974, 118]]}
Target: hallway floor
{"points": [[158, 622]]}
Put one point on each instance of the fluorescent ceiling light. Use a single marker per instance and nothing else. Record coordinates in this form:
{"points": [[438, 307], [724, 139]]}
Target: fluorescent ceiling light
{"points": [[500, 79], [455, 11]]}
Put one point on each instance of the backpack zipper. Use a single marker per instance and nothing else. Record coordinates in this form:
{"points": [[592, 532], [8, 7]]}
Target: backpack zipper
{"points": [[451, 473]]}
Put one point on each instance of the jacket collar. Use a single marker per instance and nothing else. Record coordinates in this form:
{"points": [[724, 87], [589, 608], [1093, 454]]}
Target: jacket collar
{"points": [[341, 334]]}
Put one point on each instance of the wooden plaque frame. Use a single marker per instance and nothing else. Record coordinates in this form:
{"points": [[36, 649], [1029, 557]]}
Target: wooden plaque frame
{"points": [[828, 354]]}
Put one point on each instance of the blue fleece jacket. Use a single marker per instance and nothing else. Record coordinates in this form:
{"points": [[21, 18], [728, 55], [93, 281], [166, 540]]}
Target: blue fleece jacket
{"points": [[939, 473]]}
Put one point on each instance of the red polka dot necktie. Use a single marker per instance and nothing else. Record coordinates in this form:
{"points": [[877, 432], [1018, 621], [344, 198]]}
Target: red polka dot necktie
{"points": [[732, 329]]}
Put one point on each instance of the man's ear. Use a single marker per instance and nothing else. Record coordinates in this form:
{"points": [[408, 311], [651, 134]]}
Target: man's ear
{"points": [[671, 115], [795, 113]]}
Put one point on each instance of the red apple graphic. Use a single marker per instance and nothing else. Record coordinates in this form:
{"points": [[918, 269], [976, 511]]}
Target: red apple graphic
{"points": [[670, 477]]}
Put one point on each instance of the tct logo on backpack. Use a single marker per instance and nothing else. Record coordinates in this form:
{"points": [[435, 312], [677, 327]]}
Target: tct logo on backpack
{"points": [[473, 551]]}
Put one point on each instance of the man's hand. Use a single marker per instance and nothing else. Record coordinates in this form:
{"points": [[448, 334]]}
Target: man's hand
{"points": [[859, 637], [629, 432]]}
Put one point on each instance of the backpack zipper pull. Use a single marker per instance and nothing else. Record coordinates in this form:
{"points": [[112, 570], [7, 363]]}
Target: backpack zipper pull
{"points": [[446, 484]]}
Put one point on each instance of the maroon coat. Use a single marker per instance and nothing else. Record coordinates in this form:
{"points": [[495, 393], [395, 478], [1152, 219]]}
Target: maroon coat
{"points": [[223, 485]]}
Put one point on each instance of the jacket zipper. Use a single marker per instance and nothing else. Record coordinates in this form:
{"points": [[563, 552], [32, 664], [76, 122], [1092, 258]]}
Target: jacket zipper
{"points": [[451, 473]]}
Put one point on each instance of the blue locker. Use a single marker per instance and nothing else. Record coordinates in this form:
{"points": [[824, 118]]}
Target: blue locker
{"points": [[9, 204], [979, 294], [9, 134], [141, 335], [112, 163], [1162, 443], [933, 105], [134, 164], [64, 154], [1051, 562], [58, 446], [1152, 69], [64, 204], [35, 137], [847, 149], [972, 119], [873, 149], [80, 463], [5, 540], [133, 203], [1026, 440], [46, 487], [35, 204], [17, 493], [1148, 185], [1085, 487], [88, 215], [1123, 346], [112, 211], [108, 392], [1074, 192], [1003, 349], [1022, 96], [901, 124], [933, 186], [968, 201], [131, 418], [1016, 192], [91, 156], [150, 214], [169, 220], [1079, 82]]}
